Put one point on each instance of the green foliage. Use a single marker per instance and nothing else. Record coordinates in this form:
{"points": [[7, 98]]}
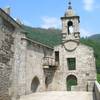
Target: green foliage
{"points": [[98, 78], [49, 37], [95, 37]]}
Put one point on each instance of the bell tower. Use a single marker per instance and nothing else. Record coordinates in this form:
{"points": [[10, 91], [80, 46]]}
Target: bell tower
{"points": [[70, 25]]}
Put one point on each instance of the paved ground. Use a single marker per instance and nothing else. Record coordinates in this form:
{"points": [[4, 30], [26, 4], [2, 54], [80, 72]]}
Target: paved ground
{"points": [[62, 95]]}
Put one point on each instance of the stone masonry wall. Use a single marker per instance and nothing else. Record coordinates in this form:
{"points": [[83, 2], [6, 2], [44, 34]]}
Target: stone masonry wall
{"points": [[19, 63], [6, 56], [85, 68]]}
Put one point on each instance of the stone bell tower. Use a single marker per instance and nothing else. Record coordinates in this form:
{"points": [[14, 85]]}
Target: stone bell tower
{"points": [[70, 25]]}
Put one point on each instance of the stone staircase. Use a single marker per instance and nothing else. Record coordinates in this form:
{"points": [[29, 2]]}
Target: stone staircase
{"points": [[59, 95]]}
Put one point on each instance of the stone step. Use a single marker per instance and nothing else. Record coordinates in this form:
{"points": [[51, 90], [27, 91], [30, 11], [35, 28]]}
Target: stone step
{"points": [[62, 95]]}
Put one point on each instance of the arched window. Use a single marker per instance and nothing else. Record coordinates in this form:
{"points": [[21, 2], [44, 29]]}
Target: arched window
{"points": [[35, 83], [71, 81], [70, 27]]}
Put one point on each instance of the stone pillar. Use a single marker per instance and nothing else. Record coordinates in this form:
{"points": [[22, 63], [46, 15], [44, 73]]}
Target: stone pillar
{"points": [[18, 85], [91, 85], [22, 68]]}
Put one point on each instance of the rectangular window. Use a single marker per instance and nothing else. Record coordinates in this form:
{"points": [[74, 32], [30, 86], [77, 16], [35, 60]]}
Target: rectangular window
{"points": [[71, 62], [57, 56]]}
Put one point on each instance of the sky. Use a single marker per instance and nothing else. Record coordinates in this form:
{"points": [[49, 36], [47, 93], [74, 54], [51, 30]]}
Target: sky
{"points": [[47, 13]]}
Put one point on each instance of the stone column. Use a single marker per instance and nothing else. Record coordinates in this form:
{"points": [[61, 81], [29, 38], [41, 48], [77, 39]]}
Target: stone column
{"points": [[18, 85], [22, 68]]}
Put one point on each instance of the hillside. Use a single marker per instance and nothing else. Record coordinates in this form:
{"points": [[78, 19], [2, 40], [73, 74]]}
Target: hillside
{"points": [[49, 37], [95, 37], [52, 37]]}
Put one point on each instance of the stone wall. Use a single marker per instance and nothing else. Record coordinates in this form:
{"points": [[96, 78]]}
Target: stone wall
{"points": [[27, 66], [6, 57], [75, 35], [34, 65]]}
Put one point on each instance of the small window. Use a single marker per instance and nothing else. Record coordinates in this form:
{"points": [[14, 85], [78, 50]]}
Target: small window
{"points": [[57, 56], [71, 62]]}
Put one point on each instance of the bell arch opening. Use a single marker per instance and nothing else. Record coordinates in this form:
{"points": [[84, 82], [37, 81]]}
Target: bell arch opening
{"points": [[71, 80], [70, 27], [35, 84]]}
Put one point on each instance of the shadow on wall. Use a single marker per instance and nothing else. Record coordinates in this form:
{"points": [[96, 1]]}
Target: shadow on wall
{"points": [[49, 75], [35, 84]]}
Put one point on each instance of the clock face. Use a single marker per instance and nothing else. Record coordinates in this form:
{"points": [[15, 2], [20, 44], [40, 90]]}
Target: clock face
{"points": [[70, 45]]}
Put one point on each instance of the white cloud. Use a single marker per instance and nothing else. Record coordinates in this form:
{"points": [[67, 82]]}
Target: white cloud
{"points": [[50, 22], [88, 5]]}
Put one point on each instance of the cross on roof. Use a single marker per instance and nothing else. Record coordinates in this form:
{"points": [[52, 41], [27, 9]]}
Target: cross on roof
{"points": [[69, 3]]}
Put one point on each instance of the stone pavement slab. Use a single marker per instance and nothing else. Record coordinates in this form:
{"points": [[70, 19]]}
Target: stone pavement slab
{"points": [[62, 95]]}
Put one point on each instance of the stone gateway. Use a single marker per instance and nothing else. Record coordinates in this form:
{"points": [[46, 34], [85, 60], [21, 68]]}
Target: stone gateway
{"points": [[28, 66]]}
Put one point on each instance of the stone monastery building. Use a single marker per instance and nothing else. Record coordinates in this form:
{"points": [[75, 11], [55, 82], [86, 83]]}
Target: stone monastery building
{"points": [[28, 65]]}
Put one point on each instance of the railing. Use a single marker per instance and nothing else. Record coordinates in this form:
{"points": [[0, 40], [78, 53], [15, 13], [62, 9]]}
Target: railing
{"points": [[97, 90], [49, 61]]}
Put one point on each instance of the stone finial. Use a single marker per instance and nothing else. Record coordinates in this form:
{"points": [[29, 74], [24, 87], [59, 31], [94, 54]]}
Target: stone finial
{"points": [[18, 21], [7, 10], [70, 11], [69, 3]]}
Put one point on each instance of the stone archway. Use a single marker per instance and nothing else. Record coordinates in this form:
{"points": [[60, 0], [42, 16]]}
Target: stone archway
{"points": [[71, 80], [35, 83]]}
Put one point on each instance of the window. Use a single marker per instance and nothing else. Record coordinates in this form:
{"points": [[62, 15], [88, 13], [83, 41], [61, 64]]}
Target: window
{"points": [[71, 62], [57, 56]]}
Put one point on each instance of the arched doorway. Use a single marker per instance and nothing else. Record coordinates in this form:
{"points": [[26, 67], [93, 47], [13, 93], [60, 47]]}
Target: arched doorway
{"points": [[35, 83], [71, 81]]}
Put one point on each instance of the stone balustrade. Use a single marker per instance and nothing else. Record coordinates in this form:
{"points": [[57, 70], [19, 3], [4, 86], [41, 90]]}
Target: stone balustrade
{"points": [[49, 61], [97, 90]]}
